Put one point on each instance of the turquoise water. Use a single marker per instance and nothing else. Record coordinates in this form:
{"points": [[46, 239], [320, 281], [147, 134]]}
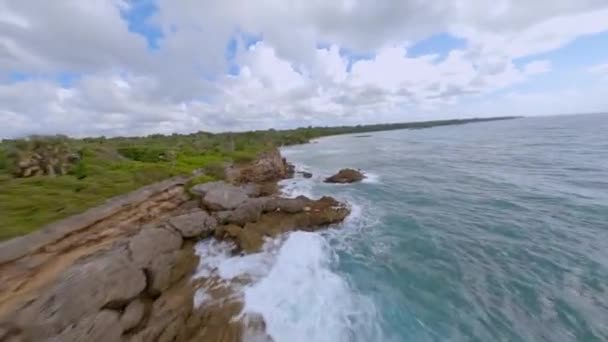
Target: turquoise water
{"points": [[492, 231]]}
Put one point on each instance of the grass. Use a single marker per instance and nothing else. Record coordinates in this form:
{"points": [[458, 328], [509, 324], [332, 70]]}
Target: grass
{"points": [[110, 167], [26, 204]]}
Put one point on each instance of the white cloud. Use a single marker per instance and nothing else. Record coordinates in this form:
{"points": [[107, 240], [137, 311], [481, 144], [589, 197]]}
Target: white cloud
{"points": [[537, 67], [285, 79], [601, 69]]}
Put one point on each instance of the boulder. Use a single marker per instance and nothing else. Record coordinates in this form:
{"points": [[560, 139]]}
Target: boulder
{"points": [[297, 213], [194, 224], [249, 211], [202, 189], [99, 327], [305, 174], [152, 241], [346, 176], [133, 314], [225, 197], [167, 268], [268, 167], [108, 279]]}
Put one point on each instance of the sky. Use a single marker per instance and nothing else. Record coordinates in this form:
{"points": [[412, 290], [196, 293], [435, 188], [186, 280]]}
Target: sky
{"points": [[138, 67]]}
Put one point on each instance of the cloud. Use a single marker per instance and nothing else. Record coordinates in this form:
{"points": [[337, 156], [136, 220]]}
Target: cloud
{"points": [[601, 69], [311, 62]]}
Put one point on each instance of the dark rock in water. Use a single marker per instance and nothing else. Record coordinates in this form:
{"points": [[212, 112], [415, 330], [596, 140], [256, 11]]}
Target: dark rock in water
{"points": [[346, 176], [305, 174]]}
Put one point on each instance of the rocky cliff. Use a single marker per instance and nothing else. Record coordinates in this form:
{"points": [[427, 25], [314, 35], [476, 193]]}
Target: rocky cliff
{"points": [[123, 271]]}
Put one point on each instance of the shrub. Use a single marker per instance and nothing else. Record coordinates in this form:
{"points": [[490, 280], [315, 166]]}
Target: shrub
{"points": [[216, 170], [242, 157], [143, 153], [40, 155]]}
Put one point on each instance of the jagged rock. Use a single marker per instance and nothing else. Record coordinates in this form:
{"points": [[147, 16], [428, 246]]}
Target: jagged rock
{"points": [[252, 189], [152, 241], [133, 314], [288, 205], [197, 223], [226, 197], [298, 213], [270, 166], [167, 268], [345, 176], [103, 280], [305, 174], [202, 189], [99, 327], [249, 211], [169, 314]]}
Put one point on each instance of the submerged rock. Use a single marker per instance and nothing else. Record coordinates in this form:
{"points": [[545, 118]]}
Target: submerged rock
{"points": [[346, 176]]}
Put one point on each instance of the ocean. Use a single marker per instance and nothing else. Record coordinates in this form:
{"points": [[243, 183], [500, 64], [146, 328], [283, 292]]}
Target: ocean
{"points": [[494, 231]]}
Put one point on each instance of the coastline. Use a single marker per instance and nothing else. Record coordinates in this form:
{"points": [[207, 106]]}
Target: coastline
{"points": [[155, 289]]}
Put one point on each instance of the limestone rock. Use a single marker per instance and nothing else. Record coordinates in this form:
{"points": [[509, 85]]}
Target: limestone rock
{"points": [[152, 241], [103, 280], [248, 211], [133, 314], [226, 197], [197, 223], [270, 166], [288, 205], [167, 268], [202, 189], [305, 174], [346, 176], [100, 327], [299, 213]]}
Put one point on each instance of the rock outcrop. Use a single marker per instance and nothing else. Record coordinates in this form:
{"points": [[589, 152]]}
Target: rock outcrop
{"points": [[346, 176], [123, 271], [269, 167]]}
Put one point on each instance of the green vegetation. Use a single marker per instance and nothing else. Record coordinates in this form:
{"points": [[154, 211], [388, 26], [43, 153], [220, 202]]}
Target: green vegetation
{"points": [[44, 179]]}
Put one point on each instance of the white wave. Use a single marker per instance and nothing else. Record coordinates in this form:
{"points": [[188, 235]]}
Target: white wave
{"points": [[371, 178], [302, 299]]}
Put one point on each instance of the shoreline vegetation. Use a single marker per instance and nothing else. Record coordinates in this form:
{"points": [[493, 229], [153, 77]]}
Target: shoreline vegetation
{"points": [[47, 178]]}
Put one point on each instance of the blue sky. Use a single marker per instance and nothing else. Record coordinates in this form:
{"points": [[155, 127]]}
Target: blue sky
{"points": [[120, 67]]}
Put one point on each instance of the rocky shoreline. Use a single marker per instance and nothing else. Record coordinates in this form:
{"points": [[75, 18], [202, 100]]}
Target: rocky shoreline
{"points": [[124, 271]]}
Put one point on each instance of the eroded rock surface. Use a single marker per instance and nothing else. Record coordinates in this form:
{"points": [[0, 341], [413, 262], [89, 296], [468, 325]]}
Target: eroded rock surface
{"points": [[346, 176]]}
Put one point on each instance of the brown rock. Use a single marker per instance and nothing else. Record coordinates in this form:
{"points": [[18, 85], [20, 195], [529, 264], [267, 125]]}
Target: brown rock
{"points": [[99, 327], [167, 268], [345, 176], [312, 215], [152, 241], [288, 205], [194, 224], [305, 174], [104, 280], [133, 314], [226, 197], [248, 211], [269, 167]]}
